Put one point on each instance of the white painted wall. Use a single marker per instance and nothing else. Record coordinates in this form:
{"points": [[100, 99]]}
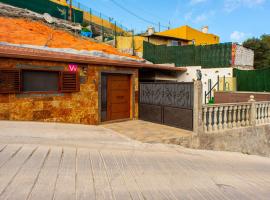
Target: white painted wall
{"points": [[244, 56], [211, 73]]}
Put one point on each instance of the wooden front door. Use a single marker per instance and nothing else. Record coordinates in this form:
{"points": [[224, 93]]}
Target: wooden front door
{"points": [[118, 97]]}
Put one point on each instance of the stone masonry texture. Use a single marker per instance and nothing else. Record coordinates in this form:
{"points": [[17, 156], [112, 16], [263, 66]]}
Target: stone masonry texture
{"points": [[80, 107]]}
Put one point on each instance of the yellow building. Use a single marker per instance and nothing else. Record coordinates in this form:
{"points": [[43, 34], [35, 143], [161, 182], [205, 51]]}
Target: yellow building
{"points": [[61, 2], [181, 36], [192, 35], [125, 43]]}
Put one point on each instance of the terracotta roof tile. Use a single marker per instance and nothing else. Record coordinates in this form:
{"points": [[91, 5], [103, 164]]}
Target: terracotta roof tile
{"points": [[8, 51]]}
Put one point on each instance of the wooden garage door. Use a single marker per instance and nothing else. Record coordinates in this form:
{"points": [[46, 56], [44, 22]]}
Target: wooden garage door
{"points": [[118, 97]]}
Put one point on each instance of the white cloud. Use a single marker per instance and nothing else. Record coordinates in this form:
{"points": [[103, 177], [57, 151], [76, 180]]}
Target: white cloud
{"points": [[231, 5], [238, 36], [188, 16], [193, 2], [200, 18], [203, 17]]}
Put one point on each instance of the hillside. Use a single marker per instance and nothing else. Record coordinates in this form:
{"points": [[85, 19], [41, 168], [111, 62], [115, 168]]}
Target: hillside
{"points": [[38, 33]]}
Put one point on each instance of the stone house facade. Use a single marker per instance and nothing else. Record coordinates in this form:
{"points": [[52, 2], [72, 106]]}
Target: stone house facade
{"points": [[37, 98]]}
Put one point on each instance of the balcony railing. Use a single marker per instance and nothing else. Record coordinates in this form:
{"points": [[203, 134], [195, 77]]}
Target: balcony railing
{"points": [[262, 112], [219, 117]]}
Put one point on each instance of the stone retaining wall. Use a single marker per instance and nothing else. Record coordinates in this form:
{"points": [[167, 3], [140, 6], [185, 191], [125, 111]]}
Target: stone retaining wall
{"points": [[251, 140]]}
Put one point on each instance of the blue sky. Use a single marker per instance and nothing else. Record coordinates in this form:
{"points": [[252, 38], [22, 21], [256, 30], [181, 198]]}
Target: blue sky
{"points": [[232, 20]]}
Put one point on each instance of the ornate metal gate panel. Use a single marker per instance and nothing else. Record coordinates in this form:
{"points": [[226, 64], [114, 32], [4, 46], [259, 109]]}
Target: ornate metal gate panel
{"points": [[167, 103]]}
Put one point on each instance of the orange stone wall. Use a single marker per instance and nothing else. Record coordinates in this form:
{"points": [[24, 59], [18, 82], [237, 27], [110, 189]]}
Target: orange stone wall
{"points": [[80, 107]]}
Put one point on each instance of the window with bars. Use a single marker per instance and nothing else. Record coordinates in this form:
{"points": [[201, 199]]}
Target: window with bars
{"points": [[43, 81]]}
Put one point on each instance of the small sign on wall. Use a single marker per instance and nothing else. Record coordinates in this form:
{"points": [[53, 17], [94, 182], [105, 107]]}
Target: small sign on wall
{"points": [[73, 67]]}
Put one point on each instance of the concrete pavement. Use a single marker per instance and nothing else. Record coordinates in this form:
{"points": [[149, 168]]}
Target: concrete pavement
{"points": [[64, 161]]}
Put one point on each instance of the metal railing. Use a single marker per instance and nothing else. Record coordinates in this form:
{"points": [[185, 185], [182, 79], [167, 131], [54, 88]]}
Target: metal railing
{"points": [[92, 12]]}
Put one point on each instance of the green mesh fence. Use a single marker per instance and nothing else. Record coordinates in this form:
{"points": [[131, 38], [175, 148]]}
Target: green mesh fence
{"points": [[46, 6], [253, 80], [208, 56]]}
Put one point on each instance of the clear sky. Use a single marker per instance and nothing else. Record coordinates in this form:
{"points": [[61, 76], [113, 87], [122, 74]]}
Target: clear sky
{"points": [[232, 20]]}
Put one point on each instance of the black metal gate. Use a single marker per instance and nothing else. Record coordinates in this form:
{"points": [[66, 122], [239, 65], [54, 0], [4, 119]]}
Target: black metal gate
{"points": [[167, 103]]}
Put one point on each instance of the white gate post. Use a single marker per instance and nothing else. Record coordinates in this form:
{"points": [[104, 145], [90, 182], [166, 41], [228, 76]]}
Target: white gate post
{"points": [[197, 108]]}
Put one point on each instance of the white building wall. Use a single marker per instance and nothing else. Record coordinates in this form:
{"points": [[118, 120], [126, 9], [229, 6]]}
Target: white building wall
{"points": [[244, 56], [211, 73]]}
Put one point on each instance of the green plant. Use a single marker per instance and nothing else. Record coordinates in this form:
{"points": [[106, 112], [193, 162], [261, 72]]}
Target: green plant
{"points": [[261, 47], [85, 24], [211, 101], [85, 29]]}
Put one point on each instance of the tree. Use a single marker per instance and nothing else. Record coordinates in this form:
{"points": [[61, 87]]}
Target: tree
{"points": [[261, 47]]}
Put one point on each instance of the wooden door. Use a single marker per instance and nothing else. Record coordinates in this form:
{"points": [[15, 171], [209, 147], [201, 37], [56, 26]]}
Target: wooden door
{"points": [[118, 97]]}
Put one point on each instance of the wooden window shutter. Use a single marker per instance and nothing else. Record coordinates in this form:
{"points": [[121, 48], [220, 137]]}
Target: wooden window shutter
{"points": [[10, 80], [70, 82]]}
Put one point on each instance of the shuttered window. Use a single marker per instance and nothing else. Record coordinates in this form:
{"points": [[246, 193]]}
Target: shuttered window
{"points": [[16, 81], [70, 82], [10, 81]]}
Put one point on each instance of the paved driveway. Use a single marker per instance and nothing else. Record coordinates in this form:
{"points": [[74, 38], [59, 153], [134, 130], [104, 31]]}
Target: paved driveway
{"points": [[61, 161], [150, 132]]}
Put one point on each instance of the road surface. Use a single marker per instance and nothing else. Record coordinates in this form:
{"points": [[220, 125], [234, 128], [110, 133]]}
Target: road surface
{"points": [[63, 161]]}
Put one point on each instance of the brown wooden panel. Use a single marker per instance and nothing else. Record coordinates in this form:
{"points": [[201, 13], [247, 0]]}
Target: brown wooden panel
{"points": [[120, 108], [120, 85], [70, 82], [120, 115], [118, 97], [117, 77], [10, 81]]}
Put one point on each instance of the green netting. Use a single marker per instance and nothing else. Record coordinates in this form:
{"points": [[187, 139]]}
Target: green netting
{"points": [[253, 80], [209, 56], [46, 6]]}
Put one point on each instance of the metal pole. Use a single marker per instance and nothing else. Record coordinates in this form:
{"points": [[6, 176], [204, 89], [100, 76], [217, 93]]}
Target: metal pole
{"points": [[210, 82], [115, 35], [224, 84], [133, 43], [102, 28], [159, 27], [70, 10], [90, 16], [218, 83]]}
